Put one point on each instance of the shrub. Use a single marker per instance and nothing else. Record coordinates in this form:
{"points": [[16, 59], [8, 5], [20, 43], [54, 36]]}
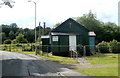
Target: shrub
{"points": [[115, 46], [14, 41], [103, 47], [20, 39], [8, 41], [24, 41]]}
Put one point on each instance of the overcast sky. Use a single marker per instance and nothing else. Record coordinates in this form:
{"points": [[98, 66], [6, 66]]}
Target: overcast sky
{"points": [[54, 11]]}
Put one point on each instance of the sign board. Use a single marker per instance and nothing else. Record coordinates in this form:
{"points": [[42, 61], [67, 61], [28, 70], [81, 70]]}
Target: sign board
{"points": [[55, 38]]}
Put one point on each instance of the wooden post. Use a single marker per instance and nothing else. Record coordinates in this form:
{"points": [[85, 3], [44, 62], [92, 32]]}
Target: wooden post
{"points": [[84, 51]]}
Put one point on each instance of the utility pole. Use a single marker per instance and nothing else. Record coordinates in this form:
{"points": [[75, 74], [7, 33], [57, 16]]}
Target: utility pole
{"points": [[35, 26], [39, 33]]}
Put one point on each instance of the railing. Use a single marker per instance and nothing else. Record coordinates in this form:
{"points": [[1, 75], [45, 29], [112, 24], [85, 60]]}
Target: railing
{"points": [[80, 50], [73, 54]]}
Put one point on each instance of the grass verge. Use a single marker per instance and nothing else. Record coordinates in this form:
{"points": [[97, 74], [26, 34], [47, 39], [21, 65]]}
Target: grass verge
{"points": [[104, 71], [27, 52], [108, 58], [60, 59]]}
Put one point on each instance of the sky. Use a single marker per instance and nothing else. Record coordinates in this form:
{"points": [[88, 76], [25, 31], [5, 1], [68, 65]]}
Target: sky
{"points": [[55, 11]]}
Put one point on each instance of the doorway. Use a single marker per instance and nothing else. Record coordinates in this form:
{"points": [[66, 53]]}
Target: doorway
{"points": [[72, 42]]}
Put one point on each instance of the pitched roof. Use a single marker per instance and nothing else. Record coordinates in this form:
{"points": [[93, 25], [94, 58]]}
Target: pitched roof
{"points": [[70, 26]]}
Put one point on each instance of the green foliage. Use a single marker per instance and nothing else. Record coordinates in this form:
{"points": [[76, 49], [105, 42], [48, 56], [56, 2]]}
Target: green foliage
{"points": [[12, 30], [104, 31], [103, 47], [39, 40], [89, 21], [11, 35], [20, 39], [115, 46], [14, 41], [17, 47], [56, 25], [13, 25], [112, 46], [8, 41]]}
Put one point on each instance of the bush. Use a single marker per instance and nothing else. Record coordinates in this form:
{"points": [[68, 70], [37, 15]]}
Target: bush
{"points": [[20, 39], [14, 41], [115, 46], [8, 41], [24, 41], [103, 47]]}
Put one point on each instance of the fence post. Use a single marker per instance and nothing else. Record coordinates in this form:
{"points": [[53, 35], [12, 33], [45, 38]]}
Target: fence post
{"points": [[98, 49], [76, 55], [84, 51], [47, 50], [70, 54]]}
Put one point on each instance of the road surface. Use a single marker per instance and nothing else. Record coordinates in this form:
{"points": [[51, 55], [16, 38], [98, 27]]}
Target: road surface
{"points": [[16, 64]]}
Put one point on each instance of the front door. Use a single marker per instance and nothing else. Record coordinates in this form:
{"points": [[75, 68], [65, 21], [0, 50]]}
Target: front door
{"points": [[72, 42]]}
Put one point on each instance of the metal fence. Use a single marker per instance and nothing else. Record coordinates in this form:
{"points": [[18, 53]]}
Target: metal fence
{"points": [[101, 49], [77, 51], [17, 47]]}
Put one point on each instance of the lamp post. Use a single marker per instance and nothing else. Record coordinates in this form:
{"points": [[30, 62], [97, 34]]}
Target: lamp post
{"points": [[35, 25]]}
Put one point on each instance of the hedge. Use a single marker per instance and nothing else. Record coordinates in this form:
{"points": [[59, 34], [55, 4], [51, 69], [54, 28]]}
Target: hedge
{"points": [[109, 47]]}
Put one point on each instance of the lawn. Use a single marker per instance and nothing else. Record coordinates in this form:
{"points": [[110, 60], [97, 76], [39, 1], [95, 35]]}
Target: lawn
{"points": [[109, 59], [59, 59], [104, 71], [27, 52]]}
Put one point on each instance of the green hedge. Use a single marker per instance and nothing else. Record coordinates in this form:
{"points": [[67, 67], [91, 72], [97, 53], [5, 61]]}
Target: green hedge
{"points": [[109, 47], [115, 46], [104, 47]]}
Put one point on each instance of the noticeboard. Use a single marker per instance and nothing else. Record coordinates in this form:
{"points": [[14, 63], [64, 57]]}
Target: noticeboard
{"points": [[55, 38]]}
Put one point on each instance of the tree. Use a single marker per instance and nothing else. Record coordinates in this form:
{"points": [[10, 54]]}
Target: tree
{"points": [[3, 35], [111, 31], [90, 22], [30, 36], [11, 35], [104, 31], [13, 25], [47, 30], [20, 39], [6, 29], [56, 25]]}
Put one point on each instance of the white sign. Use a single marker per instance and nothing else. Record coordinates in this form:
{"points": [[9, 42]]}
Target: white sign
{"points": [[55, 38]]}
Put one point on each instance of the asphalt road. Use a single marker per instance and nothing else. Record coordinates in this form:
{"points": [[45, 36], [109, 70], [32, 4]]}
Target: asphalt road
{"points": [[16, 64], [20, 65]]}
